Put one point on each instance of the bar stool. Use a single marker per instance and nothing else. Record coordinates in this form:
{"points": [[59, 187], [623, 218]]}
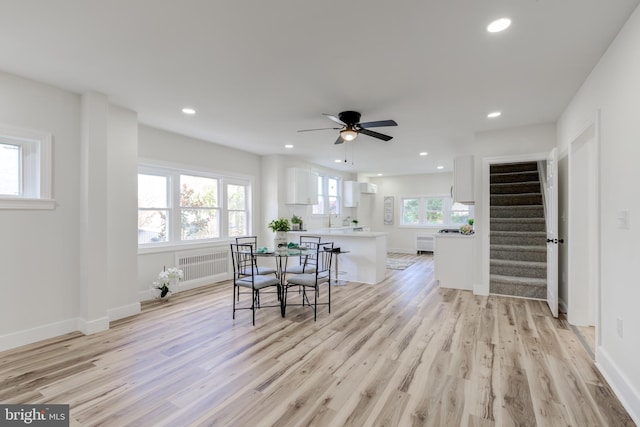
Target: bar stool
{"points": [[336, 252]]}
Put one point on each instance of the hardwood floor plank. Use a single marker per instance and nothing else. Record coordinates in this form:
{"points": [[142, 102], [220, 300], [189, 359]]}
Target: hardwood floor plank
{"points": [[402, 352]]}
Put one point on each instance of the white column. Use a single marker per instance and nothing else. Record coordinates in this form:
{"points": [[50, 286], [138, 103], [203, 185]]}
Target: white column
{"points": [[93, 214]]}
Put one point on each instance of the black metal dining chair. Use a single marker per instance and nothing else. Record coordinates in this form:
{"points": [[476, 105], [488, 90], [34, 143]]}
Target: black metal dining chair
{"points": [[310, 282], [245, 276], [306, 263]]}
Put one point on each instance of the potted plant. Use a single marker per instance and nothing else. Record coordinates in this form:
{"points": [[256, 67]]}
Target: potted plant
{"points": [[167, 282], [296, 222], [354, 222], [280, 226]]}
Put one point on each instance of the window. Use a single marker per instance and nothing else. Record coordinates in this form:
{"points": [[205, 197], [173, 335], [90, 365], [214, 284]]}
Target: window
{"points": [[433, 211], [329, 196], [25, 169], [179, 206]]}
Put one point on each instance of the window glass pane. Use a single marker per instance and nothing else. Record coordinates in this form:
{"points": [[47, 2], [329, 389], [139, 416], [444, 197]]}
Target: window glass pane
{"points": [[459, 213], [435, 218], [152, 226], [10, 162], [319, 208], [410, 211], [334, 209], [434, 204], [238, 223], [198, 192], [236, 197], [199, 224], [332, 187], [152, 191]]}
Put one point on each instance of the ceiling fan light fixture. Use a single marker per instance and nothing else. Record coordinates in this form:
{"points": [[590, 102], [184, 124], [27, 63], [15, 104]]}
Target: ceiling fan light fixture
{"points": [[499, 25], [348, 134]]}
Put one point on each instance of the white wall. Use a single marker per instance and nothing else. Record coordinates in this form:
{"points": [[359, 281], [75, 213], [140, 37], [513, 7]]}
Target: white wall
{"points": [[165, 147], [613, 89], [402, 239], [39, 250]]}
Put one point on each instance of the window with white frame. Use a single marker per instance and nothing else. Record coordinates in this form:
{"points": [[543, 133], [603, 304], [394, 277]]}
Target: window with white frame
{"points": [[433, 211], [183, 206], [25, 169], [329, 196]]}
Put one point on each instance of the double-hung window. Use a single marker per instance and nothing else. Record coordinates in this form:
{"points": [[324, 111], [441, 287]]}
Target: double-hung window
{"points": [[176, 206], [329, 196], [25, 169], [434, 211]]}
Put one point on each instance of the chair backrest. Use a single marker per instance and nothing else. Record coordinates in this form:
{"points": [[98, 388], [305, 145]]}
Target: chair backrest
{"points": [[248, 240], [310, 243], [244, 260], [325, 257]]}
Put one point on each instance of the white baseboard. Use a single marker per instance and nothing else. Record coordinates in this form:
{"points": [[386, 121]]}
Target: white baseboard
{"points": [[124, 311], [479, 289], [147, 294], [39, 333], [401, 251], [89, 327], [626, 392]]}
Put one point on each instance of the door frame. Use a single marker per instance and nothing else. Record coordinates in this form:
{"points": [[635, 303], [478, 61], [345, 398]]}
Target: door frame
{"points": [[483, 288], [583, 137]]}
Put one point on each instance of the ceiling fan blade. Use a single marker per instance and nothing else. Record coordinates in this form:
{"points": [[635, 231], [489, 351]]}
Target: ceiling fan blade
{"points": [[378, 124], [309, 130], [339, 140], [375, 134], [335, 119]]}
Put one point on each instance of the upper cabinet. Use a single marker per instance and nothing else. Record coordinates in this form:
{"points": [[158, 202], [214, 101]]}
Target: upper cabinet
{"points": [[302, 187], [351, 194], [463, 180]]}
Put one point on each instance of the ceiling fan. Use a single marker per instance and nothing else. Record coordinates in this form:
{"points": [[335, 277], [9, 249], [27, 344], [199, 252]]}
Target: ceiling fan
{"points": [[351, 126]]}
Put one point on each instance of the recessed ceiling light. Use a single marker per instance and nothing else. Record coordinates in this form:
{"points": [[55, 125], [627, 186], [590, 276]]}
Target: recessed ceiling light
{"points": [[379, 174], [338, 161], [288, 146], [424, 153], [494, 114], [499, 25], [188, 111], [440, 167]]}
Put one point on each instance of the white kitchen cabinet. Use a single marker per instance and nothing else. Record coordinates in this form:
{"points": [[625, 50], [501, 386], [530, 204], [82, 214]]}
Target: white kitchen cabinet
{"points": [[463, 180], [302, 187], [368, 188], [350, 194], [453, 261]]}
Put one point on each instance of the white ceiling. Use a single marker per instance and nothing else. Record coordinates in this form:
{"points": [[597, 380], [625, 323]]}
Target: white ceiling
{"points": [[257, 71]]}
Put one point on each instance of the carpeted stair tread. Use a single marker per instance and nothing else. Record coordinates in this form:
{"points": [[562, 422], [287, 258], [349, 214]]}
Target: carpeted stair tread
{"points": [[524, 269], [516, 199], [516, 187], [517, 224], [518, 211], [497, 278], [513, 167], [524, 264], [528, 248], [495, 178]]}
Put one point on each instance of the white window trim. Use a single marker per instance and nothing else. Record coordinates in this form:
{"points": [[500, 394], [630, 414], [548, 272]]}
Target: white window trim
{"points": [[446, 211], [39, 195], [151, 167], [325, 196]]}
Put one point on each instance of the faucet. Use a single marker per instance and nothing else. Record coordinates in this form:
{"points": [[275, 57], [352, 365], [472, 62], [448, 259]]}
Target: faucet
{"points": [[329, 220]]}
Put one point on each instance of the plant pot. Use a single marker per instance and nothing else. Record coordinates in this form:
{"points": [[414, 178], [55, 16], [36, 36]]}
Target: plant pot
{"points": [[280, 241]]}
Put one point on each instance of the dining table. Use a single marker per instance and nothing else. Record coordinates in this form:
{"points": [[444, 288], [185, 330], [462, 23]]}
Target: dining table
{"points": [[281, 256]]}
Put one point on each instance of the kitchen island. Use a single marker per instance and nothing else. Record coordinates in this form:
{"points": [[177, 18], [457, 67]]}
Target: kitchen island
{"points": [[367, 258]]}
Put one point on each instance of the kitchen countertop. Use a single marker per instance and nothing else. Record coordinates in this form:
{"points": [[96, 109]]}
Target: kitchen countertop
{"points": [[346, 232], [455, 235]]}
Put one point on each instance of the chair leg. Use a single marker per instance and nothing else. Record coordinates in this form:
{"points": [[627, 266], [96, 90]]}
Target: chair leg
{"points": [[315, 303], [233, 297], [329, 285]]}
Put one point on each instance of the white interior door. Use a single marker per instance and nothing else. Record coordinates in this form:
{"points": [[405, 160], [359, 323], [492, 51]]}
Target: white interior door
{"points": [[551, 210]]}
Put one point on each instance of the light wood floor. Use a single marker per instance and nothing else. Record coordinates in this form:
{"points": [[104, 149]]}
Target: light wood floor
{"points": [[399, 353]]}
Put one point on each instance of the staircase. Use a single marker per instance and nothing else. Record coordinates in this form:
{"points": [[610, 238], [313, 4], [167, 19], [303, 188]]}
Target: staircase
{"points": [[518, 263]]}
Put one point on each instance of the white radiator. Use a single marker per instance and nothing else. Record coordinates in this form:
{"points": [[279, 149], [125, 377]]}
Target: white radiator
{"points": [[425, 243], [203, 266]]}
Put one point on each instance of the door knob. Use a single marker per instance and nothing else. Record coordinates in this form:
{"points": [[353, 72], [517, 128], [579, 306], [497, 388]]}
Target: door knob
{"points": [[555, 241]]}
